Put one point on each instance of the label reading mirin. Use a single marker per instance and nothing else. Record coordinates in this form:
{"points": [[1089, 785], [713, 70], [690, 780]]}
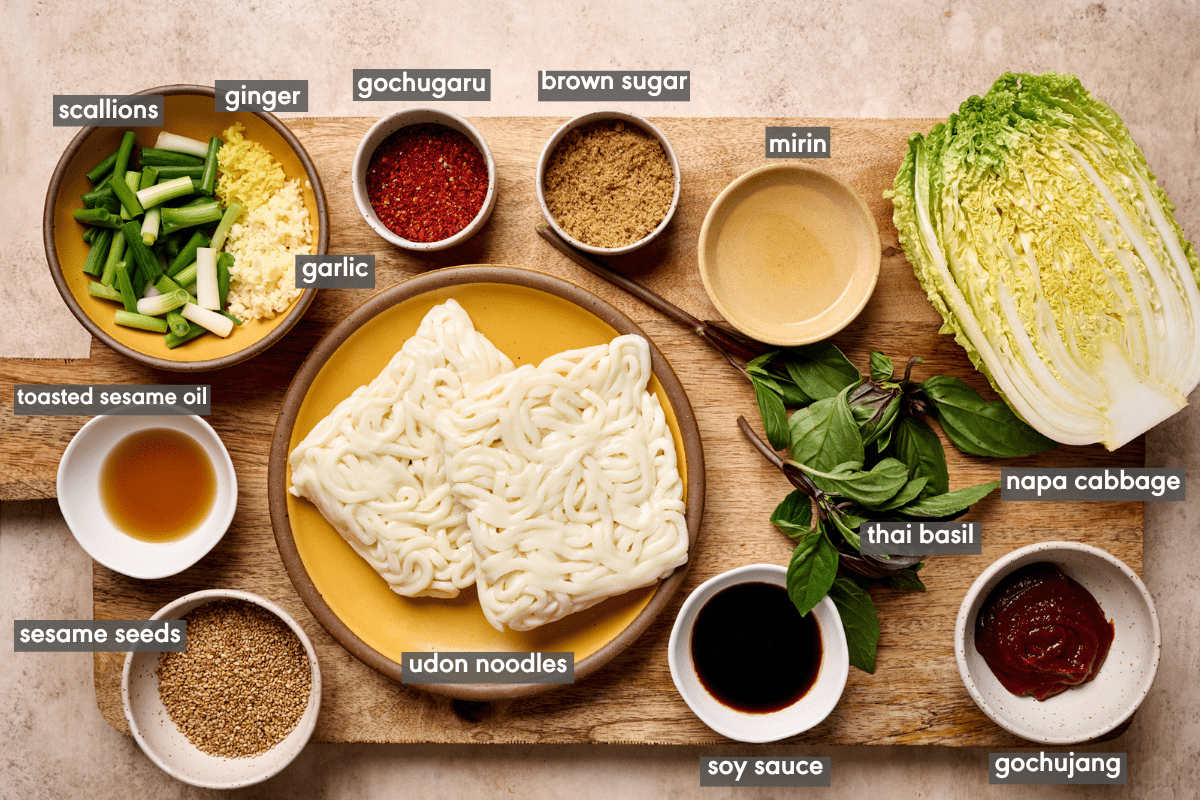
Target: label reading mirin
{"points": [[797, 143]]}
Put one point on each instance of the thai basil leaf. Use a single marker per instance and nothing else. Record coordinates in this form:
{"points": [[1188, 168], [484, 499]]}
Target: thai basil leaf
{"points": [[870, 488], [910, 491], [777, 379], [979, 427], [915, 443], [824, 435], [812, 571], [775, 421], [794, 515], [943, 505], [905, 580], [881, 367], [821, 370], [859, 620]]}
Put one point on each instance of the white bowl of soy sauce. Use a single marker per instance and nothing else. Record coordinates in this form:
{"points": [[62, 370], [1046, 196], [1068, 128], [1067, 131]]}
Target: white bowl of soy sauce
{"points": [[748, 665]]}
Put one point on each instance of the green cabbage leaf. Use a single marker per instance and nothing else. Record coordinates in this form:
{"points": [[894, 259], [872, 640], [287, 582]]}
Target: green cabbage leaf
{"points": [[1042, 237]]}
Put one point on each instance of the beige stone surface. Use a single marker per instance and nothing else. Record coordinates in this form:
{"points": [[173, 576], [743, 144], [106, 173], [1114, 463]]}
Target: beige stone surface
{"points": [[851, 58]]}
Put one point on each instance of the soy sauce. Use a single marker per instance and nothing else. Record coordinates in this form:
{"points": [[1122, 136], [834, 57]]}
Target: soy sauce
{"points": [[753, 651]]}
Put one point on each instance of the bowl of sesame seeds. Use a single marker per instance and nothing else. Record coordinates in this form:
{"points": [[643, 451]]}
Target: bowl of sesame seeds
{"points": [[238, 704]]}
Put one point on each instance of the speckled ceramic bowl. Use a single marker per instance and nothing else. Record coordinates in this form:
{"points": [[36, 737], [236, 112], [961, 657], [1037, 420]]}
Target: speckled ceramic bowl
{"points": [[1092, 709], [166, 745]]}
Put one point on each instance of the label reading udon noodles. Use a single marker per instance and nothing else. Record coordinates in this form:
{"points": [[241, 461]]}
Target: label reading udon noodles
{"points": [[487, 667]]}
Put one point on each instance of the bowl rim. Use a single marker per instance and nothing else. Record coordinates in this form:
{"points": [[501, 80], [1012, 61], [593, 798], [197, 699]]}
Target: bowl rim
{"points": [[314, 692], [833, 637], [225, 465], [1002, 566], [864, 211], [406, 290], [56, 269], [600, 116], [358, 177]]}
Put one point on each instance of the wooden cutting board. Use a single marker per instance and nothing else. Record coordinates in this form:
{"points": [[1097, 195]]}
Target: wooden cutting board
{"points": [[915, 696]]}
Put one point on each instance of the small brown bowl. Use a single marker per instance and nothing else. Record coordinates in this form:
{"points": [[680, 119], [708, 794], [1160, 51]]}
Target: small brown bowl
{"points": [[529, 316], [189, 111]]}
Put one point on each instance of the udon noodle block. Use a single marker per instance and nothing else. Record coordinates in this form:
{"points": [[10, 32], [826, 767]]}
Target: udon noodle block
{"points": [[569, 473], [374, 467]]}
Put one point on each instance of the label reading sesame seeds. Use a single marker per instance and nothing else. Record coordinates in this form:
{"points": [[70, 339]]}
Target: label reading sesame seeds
{"points": [[487, 668], [335, 272], [99, 636], [797, 142], [423, 84], [261, 95], [604, 86]]}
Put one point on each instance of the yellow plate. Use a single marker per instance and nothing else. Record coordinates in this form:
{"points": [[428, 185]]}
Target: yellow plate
{"points": [[189, 111], [528, 316]]}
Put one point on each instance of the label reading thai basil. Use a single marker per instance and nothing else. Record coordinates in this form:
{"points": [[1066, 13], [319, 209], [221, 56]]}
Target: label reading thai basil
{"points": [[906, 538]]}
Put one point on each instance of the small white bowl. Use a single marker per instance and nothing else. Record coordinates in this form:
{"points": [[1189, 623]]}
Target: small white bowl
{"points": [[83, 509], [1092, 709], [601, 116], [385, 128], [161, 739], [806, 713]]}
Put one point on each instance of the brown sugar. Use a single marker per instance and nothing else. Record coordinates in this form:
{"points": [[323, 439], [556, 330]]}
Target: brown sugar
{"points": [[609, 183]]}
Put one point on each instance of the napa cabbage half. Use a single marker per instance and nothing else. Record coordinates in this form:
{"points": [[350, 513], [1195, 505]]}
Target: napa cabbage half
{"points": [[1035, 225]]}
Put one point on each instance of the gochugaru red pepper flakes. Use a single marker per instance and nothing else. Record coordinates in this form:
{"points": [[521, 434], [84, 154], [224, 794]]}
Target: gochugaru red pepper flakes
{"points": [[427, 182]]}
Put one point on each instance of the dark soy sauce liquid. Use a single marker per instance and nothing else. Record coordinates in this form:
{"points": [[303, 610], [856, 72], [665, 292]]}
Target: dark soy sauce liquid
{"points": [[753, 651]]}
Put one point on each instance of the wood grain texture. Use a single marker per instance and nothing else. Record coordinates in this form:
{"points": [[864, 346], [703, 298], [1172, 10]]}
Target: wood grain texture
{"points": [[915, 697]]}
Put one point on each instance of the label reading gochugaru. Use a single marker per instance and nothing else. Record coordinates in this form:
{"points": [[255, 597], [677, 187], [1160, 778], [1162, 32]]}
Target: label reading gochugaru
{"points": [[117, 399], [335, 272], [1099, 483], [99, 636], [423, 84], [764, 771], [797, 143], [487, 667], [108, 111], [261, 95], [604, 86]]}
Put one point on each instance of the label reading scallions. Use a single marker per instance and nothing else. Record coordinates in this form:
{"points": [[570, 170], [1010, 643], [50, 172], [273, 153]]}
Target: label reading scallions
{"points": [[423, 84], [335, 272], [487, 667], [797, 142], [107, 111], [605, 86], [261, 95]]}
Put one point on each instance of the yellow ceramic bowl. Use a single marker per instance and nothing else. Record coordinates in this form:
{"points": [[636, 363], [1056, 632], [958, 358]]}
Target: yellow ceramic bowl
{"points": [[529, 316], [189, 111], [789, 254]]}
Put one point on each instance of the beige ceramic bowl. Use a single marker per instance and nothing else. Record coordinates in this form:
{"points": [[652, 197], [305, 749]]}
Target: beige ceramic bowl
{"points": [[789, 254], [603, 116], [167, 747], [1092, 709]]}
